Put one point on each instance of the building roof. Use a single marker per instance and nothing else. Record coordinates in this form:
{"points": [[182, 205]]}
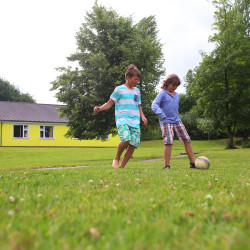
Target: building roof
{"points": [[30, 112]]}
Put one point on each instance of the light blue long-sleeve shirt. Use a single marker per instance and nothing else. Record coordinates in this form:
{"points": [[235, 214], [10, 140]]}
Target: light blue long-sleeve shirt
{"points": [[166, 107]]}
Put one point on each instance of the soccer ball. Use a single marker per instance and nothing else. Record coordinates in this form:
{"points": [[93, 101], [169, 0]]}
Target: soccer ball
{"points": [[202, 162]]}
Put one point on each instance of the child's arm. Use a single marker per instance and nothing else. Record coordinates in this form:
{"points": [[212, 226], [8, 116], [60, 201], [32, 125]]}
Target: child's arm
{"points": [[105, 106], [144, 119], [156, 106]]}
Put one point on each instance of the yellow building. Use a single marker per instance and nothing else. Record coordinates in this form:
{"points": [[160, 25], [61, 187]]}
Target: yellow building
{"points": [[39, 125]]}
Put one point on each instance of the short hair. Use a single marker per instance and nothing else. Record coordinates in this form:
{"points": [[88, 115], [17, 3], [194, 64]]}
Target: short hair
{"points": [[172, 78], [132, 71]]}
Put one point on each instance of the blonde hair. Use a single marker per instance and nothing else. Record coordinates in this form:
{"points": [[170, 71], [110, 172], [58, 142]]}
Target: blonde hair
{"points": [[172, 78], [132, 71]]}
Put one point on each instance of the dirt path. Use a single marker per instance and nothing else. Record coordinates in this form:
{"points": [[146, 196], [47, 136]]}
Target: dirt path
{"points": [[61, 167], [161, 159], [156, 159]]}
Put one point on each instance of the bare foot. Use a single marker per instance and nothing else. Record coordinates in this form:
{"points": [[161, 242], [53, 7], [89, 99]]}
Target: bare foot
{"points": [[115, 163]]}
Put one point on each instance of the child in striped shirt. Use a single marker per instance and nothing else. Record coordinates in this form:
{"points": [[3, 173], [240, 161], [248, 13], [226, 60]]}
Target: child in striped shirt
{"points": [[127, 99]]}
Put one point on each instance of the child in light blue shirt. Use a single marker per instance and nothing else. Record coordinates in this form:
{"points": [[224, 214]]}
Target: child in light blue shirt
{"points": [[166, 106]]}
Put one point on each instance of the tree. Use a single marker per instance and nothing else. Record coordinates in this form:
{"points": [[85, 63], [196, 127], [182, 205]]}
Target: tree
{"points": [[8, 92], [186, 102], [221, 82], [206, 126], [106, 44]]}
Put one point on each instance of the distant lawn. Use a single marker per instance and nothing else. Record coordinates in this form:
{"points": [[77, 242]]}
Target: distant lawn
{"points": [[36, 157], [139, 207]]}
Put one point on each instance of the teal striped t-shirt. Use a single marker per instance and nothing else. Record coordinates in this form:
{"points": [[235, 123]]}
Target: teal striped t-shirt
{"points": [[127, 103]]}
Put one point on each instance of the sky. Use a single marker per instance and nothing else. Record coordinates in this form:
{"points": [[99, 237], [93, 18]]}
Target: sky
{"points": [[38, 35]]}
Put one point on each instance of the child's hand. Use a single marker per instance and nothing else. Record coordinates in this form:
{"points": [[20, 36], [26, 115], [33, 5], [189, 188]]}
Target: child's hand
{"points": [[97, 109], [145, 121]]}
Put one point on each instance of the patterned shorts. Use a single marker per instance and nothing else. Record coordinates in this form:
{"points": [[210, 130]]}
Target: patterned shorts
{"points": [[131, 134], [167, 130]]}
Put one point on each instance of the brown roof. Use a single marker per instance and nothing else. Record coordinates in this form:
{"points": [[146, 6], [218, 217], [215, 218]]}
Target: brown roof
{"points": [[30, 112]]}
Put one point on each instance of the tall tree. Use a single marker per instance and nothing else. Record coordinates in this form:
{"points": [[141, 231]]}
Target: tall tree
{"points": [[9, 92], [221, 81], [186, 103], [106, 44]]}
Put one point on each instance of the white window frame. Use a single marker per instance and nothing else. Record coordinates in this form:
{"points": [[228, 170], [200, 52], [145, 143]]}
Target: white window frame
{"points": [[25, 131], [42, 128]]}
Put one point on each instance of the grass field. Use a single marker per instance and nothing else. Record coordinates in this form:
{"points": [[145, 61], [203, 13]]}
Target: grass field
{"points": [[139, 207]]}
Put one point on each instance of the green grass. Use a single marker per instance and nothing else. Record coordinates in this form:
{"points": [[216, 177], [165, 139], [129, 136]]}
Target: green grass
{"points": [[31, 158], [139, 207]]}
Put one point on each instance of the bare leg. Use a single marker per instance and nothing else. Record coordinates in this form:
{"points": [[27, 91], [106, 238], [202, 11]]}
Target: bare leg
{"points": [[167, 153], [120, 149], [127, 155], [189, 151]]}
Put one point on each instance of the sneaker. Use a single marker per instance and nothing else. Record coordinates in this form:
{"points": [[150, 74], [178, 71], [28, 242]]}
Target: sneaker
{"points": [[192, 165], [166, 167]]}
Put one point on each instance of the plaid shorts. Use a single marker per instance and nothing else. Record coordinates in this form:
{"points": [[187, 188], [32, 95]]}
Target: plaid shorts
{"points": [[167, 130], [131, 134]]}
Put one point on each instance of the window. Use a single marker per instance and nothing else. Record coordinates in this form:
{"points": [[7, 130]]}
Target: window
{"points": [[46, 132], [20, 131]]}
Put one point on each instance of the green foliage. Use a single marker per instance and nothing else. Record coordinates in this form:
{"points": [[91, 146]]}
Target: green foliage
{"points": [[246, 144], [106, 44], [151, 133], [206, 126], [186, 103], [242, 142], [139, 207], [196, 126], [9, 92], [190, 119], [189, 116], [221, 82]]}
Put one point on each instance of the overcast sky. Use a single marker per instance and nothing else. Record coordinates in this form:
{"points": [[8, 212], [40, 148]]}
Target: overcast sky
{"points": [[37, 36]]}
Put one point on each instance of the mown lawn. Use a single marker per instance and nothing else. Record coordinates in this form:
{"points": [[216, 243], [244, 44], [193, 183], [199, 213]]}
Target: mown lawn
{"points": [[139, 207], [37, 157]]}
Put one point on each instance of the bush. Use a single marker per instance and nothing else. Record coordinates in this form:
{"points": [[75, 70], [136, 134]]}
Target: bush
{"points": [[150, 133], [244, 143]]}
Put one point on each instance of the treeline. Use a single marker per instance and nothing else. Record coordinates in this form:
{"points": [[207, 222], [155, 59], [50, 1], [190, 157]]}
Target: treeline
{"points": [[220, 85], [217, 99], [9, 92], [216, 103]]}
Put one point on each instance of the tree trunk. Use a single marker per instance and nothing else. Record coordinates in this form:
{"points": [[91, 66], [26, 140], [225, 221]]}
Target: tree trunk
{"points": [[230, 136]]}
